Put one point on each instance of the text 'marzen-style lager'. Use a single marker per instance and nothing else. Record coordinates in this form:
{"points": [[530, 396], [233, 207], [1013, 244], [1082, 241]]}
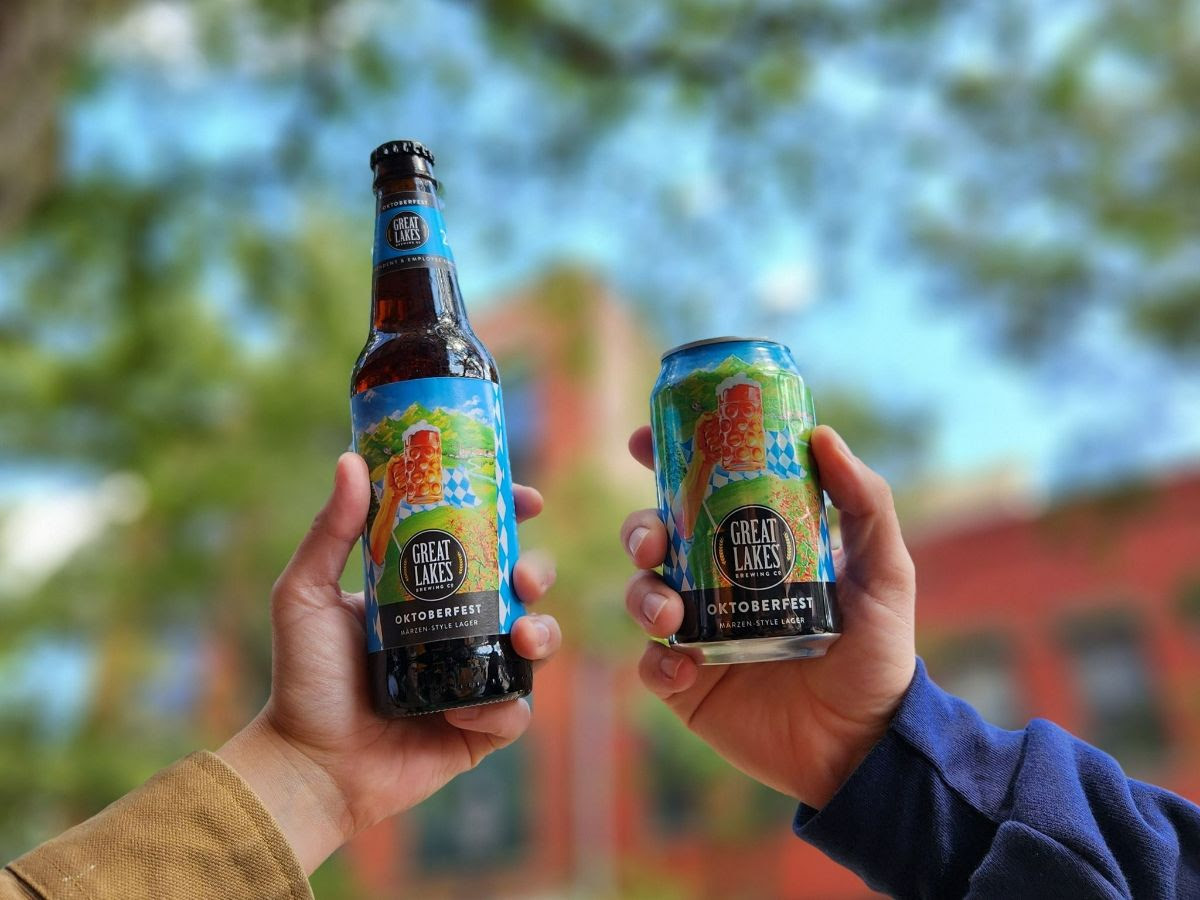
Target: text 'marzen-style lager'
{"points": [[737, 488], [441, 537]]}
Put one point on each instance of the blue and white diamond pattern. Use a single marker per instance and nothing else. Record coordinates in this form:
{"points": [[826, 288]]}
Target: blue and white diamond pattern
{"points": [[825, 571], [782, 456], [506, 522], [456, 491], [675, 565], [675, 570], [782, 462]]}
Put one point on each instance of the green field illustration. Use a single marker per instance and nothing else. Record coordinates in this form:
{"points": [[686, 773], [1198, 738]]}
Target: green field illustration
{"points": [[465, 440], [467, 444], [793, 498], [475, 529]]}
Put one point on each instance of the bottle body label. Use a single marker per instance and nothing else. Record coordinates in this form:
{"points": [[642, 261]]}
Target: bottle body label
{"points": [[410, 233], [441, 537]]}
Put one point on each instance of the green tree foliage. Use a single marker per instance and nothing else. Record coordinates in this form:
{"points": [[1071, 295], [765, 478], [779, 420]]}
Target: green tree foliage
{"points": [[125, 359], [1088, 193], [1053, 177], [169, 322]]}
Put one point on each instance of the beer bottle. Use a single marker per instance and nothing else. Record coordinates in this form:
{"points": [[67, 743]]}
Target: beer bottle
{"points": [[441, 538]]}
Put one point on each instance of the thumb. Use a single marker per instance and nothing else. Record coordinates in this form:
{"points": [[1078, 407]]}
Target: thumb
{"points": [[876, 558], [319, 560]]}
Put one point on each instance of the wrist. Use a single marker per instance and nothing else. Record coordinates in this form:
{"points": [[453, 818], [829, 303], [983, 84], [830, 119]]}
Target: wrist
{"points": [[819, 792], [852, 739], [300, 795]]}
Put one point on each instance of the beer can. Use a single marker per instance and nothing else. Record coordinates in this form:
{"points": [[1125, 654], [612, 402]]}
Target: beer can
{"points": [[749, 547]]}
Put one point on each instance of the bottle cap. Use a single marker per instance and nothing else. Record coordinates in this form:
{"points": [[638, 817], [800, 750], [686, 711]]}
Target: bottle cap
{"points": [[402, 158]]}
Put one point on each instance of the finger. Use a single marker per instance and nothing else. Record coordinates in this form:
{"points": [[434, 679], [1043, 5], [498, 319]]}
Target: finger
{"points": [[644, 538], [876, 557], [502, 722], [653, 605], [537, 637], [641, 446], [666, 672], [533, 575], [528, 501], [319, 560], [839, 562]]}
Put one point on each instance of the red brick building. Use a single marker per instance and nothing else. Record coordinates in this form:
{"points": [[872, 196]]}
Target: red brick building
{"points": [[1088, 614]]}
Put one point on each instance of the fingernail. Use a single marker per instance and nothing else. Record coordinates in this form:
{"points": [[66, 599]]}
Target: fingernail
{"points": [[670, 665], [636, 538], [467, 714], [548, 579], [652, 606], [542, 632]]}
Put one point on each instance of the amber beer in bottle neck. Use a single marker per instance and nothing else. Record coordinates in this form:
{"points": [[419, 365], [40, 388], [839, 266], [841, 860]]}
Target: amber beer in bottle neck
{"points": [[413, 291]]}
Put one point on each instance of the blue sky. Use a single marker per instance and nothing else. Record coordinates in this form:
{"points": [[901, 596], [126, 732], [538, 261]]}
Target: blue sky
{"points": [[737, 256]]}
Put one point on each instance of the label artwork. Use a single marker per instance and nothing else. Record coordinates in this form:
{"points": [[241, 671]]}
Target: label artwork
{"points": [[433, 565], [440, 543], [410, 233], [749, 545], [754, 547]]}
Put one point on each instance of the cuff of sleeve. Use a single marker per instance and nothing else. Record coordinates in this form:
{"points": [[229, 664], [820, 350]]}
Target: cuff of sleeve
{"points": [[821, 827], [195, 829], [935, 743], [857, 803]]}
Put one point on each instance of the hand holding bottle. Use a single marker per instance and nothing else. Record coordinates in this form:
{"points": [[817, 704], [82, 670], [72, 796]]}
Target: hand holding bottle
{"points": [[321, 760]]}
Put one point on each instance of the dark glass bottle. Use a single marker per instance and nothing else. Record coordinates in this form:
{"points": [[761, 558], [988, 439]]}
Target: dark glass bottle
{"points": [[440, 541]]}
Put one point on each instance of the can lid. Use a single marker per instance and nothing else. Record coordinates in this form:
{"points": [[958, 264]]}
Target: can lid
{"points": [[726, 339]]}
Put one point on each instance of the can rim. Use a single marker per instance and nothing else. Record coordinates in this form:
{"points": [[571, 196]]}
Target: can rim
{"points": [[725, 339]]}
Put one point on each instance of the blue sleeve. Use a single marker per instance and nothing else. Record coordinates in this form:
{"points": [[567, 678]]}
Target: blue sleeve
{"points": [[946, 805]]}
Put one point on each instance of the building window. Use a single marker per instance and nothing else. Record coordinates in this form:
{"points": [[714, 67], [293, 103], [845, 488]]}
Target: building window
{"points": [[479, 820], [1121, 712], [979, 669]]}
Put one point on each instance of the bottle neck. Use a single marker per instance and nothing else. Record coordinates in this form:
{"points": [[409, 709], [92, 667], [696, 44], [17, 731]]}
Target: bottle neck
{"points": [[414, 284]]}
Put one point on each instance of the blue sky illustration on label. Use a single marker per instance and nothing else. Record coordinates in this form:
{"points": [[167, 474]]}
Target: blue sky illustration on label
{"points": [[441, 537]]}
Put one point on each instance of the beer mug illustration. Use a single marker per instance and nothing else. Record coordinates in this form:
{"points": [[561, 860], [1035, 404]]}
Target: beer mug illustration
{"points": [[740, 412], [423, 464]]}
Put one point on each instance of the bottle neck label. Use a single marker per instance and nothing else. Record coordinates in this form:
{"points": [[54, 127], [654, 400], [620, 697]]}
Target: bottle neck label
{"points": [[410, 233]]}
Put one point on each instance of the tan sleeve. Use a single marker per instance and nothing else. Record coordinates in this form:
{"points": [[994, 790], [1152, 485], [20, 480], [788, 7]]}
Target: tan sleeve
{"points": [[194, 830]]}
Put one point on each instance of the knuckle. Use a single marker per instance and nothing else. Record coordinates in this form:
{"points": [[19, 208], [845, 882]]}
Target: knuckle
{"points": [[899, 576], [283, 586], [639, 583], [320, 525], [882, 491], [648, 668]]}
